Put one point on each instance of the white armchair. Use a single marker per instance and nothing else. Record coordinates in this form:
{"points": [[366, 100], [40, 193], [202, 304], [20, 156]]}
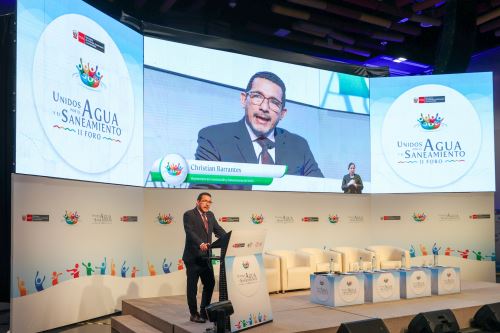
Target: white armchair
{"points": [[390, 257], [320, 259], [353, 256], [295, 269], [272, 268]]}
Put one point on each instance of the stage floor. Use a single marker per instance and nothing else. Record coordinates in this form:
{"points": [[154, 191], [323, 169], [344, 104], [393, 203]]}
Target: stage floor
{"points": [[293, 311]]}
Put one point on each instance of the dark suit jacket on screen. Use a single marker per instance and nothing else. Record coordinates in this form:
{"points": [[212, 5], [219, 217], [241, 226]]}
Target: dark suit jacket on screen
{"points": [[196, 234], [231, 142]]}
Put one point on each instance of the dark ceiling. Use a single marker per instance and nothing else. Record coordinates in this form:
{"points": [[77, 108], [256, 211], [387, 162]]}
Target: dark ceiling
{"points": [[366, 32]]}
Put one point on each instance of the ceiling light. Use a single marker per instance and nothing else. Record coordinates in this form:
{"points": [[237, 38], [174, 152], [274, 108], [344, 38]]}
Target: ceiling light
{"points": [[400, 59]]}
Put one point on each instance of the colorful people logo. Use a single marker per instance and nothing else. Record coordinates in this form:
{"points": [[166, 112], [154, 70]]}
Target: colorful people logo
{"points": [[435, 249], [464, 254], [174, 169], [71, 218], [479, 255], [88, 75], [448, 251], [21, 287], [55, 277], [423, 250], [165, 266], [39, 282], [164, 218], [412, 251], [430, 122], [333, 218], [134, 271], [419, 217], [151, 269], [257, 219], [102, 268], [180, 265], [74, 272], [88, 268], [113, 268], [124, 269]]}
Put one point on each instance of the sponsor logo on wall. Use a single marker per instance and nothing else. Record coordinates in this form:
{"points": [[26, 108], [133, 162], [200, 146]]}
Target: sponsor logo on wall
{"points": [[257, 219], [449, 217], [355, 218], [229, 219], [35, 218], [101, 218], [129, 218], [71, 217], [390, 218], [164, 218], [284, 219], [419, 217], [310, 219], [480, 216], [333, 218]]}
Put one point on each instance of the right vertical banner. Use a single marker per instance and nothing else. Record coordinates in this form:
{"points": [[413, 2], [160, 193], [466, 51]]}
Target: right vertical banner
{"points": [[432, 133]]}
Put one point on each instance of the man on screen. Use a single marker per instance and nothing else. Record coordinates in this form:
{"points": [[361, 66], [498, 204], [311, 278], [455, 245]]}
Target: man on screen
{"points": [[256, 137]]}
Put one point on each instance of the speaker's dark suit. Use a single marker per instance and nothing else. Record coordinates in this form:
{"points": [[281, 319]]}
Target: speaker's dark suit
{"points": [[196, 261], [230, 142]]}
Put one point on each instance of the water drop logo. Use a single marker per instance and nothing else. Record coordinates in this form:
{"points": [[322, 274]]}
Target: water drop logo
{"points": [[165, 218], [419, 217], [257, 219], [430, 123], [89, 75], [71, 218]]}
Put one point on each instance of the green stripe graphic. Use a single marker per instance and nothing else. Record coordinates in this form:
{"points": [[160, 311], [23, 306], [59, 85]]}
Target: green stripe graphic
{"points": [[232, 180]]}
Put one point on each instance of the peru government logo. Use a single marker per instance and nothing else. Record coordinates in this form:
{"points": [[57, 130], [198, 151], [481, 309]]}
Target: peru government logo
{"points": [[430, 123], [165, 218], [90, 76], [71, 218]]}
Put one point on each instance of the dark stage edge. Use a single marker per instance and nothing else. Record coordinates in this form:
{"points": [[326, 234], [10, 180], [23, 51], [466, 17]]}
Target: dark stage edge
{"points": [[293, 312]]}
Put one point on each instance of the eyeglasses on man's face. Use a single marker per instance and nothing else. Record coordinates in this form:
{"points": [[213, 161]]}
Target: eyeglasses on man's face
{"points": [[206, 201], [256, 98]]}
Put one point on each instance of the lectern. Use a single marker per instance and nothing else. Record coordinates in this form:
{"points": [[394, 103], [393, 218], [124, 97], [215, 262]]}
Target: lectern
{"points": [[242, 278]]}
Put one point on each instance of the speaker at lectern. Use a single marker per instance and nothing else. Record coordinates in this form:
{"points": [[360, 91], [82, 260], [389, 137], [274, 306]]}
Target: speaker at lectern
{"points": [[242, 278]]}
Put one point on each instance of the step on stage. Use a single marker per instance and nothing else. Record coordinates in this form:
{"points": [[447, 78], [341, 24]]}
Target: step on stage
{"points": [[293, 312]]}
